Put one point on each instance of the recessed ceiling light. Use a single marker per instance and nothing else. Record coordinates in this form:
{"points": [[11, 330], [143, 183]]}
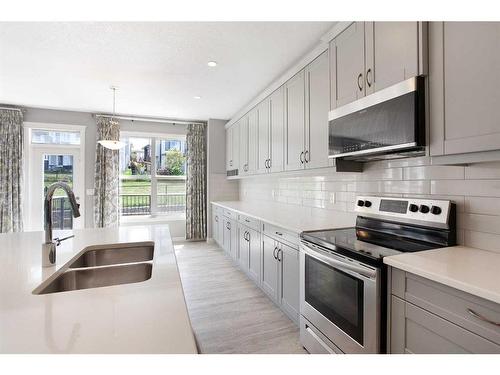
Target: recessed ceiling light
{"points": [[197, 97], [212, 63]]}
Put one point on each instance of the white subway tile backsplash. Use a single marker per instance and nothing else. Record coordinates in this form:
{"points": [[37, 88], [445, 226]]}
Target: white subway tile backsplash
{"points": [[434, 172], [483, 171], [475, 189]]}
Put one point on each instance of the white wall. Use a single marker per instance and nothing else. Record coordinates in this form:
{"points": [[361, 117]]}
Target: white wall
{"points": [[218, 187], [475, 189]]}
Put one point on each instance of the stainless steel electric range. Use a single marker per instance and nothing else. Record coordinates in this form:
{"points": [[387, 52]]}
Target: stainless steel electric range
{"points": [[343, 281]]}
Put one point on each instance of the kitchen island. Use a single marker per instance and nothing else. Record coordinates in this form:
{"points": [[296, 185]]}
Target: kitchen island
{"points": [[144, 317]]}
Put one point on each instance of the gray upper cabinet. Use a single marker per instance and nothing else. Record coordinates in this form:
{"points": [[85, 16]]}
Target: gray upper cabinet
{"points": [[295, 122], [347, 52], [392, 53], [253, 141], [370, 56], [464, 87], [264, 136], [229, 148], [277, 130], [243, 145], [317, 106], [232, 146]]}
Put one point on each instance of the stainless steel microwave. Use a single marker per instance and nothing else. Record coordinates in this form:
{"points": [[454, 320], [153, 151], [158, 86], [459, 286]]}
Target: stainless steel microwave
{"points": [[387, 124]]}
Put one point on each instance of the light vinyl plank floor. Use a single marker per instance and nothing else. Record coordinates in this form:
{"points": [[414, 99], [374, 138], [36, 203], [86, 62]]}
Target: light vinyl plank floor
{"points": [[228, 312]]}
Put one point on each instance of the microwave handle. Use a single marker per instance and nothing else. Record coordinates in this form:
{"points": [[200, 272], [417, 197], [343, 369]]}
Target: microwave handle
{"points": [[360, 270]]}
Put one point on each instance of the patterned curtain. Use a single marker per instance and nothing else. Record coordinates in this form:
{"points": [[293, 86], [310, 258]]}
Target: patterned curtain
{"points": [[196, 182], [107, 175], [11, 170]]}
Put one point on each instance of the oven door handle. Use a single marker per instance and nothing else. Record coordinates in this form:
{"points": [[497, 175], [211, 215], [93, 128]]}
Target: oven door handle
{"points": [[360, 270]]}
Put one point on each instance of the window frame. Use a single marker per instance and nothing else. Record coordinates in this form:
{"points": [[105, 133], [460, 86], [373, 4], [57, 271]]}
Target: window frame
{"points": [[154, 137]]}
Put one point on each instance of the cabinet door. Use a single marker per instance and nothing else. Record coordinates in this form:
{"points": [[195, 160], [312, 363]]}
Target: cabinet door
{"points": [[253, 140], [289, 289], [295, 122], [226, 241], [229, 148], [244, 248], [220, 231], [235, 243], [348, 65], [269, 268], [464, 100], [317, 106], [277, 130], [215, 227], [243, 145], [415, 330], [254, 258], [235, 145], [391, 53], [264, 135]]}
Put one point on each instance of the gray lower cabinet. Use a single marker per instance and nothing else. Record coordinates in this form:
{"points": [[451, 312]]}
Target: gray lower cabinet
{"points": [[463, 81], [427, 317], [230, 238], [244, 249], [280, 275], [215, 227], [270, 268], [254, 255]]}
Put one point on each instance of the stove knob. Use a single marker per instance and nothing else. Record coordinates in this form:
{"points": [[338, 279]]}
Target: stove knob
{"points": [[413, 208], [424, 209], [368, 204], [436, 210], [361, 203]]}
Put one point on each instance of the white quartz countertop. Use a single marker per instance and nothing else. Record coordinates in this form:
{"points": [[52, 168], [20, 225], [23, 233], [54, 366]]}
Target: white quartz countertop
{"points": [[145, 317], [465, 268], [296, 219]]}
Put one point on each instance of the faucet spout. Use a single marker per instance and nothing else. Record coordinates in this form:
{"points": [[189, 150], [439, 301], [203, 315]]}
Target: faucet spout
{"points": [[49, 247]]}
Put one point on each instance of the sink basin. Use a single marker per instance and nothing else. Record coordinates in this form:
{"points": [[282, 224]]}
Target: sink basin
{"points": [[114, 254], [98, 277]]}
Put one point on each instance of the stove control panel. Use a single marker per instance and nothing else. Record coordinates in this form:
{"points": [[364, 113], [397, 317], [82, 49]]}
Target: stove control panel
{"points": [[425, 210]]}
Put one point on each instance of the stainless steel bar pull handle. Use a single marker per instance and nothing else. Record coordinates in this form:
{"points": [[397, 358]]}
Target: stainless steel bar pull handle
{"points": [[360, 79], [483, 318]]}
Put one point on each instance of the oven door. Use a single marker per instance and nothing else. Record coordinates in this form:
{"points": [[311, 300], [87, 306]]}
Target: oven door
{"points": [[341, 298]]}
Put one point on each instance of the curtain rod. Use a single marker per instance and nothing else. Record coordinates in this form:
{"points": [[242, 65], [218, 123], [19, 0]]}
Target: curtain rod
{"points": [[146, 119], [14, 109]]}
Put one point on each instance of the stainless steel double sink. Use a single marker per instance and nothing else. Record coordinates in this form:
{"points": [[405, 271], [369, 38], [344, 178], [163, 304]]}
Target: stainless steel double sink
{"points": [[105, 265]]}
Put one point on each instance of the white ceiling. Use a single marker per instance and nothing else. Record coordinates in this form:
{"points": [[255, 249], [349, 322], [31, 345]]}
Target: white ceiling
{"points": [[158, 67]]}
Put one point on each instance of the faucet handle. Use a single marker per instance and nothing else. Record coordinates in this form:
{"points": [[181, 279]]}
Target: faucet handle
{"points": [[59, 240]]}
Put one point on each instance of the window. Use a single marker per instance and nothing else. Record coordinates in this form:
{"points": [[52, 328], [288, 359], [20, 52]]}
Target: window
{"points": [[55, 137], [153, 176]]}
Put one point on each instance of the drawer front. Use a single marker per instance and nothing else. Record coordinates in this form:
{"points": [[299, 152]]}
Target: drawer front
{"points": [[470, 312], [426, 333], [281, 235], [230, 214], [314, 341], [216, 209], [249, 222]]}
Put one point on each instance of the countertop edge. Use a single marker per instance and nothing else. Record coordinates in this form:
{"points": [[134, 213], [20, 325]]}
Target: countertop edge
{"points": [[451, 282]]}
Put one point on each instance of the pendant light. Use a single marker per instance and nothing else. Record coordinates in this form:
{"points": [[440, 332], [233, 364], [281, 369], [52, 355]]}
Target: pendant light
{"points": [[112, 144]]}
